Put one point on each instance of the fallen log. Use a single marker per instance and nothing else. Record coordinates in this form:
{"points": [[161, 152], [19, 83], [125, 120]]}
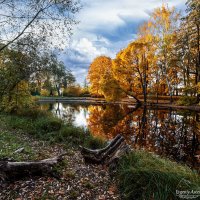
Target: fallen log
{"points": [[109, 154], [100, 151], [11, 170]]}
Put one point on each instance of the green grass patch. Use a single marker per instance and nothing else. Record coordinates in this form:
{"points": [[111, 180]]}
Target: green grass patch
{"points": [[49, 128], [9, 143], [145, 176], [38, 126]]}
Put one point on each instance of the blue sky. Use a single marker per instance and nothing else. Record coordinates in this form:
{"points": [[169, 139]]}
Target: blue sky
{"points": [[105, 27]]}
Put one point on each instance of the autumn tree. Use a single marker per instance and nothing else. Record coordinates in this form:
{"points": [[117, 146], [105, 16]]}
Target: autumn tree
{"points": [[150, 60], [132, 68], [163, 59], [101, 79], [185, 57], [163, 25]]}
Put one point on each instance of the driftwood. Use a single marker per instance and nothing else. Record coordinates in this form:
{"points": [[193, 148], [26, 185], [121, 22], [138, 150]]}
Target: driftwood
{"points": [[11, 170], [110, 154]]}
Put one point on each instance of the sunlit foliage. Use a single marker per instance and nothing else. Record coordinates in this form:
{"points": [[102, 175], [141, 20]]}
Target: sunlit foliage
{"points": [[101, 79], [164, 59]]}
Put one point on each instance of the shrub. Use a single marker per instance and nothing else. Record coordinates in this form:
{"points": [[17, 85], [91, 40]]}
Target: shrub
{"points": [[52, 129], [85, 93], [48, 124], [79, 136], [36, 125], [73, 134], [22, 123], [154, 97]]}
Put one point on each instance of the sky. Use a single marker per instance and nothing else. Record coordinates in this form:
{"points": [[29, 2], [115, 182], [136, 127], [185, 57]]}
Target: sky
{"points": [[105, 27]]}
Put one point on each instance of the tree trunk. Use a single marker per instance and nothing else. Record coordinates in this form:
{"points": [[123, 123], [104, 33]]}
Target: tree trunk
{"points": [[58, 90], [10, 170], [110, 154], [198, 60]]}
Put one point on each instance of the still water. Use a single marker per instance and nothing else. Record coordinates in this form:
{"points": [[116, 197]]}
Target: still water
{"points": [[170, 133]]}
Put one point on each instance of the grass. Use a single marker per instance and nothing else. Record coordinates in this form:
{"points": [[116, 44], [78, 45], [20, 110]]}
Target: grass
{"points": [[10, 143], [44, 126], [145, 176]]}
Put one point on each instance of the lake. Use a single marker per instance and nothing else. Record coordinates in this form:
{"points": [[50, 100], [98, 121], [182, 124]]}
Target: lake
{"points": [[170, 133]]}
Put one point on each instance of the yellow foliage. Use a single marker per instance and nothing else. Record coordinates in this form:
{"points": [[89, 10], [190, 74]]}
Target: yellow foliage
{"points": [[153, 62], [198, 87], [97, 69], [44, 92], [18, 98], [101, 79], [133, 65], [73, 90]]}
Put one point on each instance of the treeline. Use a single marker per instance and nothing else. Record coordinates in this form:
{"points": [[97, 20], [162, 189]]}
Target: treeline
{"points": [[164, 59]]}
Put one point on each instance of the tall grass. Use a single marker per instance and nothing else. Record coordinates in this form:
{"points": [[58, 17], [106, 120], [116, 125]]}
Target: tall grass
{"points": [[145, 176], [43, 125]]}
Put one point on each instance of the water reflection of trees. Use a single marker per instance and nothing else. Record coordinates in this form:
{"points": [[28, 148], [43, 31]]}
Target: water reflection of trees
{"points": [[102, 119], [66, 112], [165, 132]]}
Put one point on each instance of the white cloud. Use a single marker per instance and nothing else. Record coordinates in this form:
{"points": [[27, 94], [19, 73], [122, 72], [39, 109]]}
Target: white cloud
{"points": [[80, 74], [105, 27], [101, 13], [88, 49]]}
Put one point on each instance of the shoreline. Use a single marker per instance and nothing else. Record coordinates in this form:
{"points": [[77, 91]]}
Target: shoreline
{"points": [[99, 101]]}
